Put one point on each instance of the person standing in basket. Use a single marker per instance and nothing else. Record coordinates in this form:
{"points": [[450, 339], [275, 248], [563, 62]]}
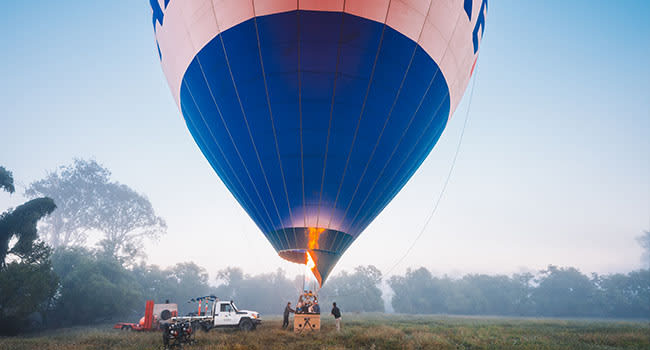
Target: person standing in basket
{"points": [[337, 316]]}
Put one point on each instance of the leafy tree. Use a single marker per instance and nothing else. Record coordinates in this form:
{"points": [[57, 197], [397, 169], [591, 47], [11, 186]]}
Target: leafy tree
{"points": [[155, 282], [266, 293], [355, 292], [21, 222], [564, 292], [625, 295], [88, 200], [644, 241], [523, 288], [27, 282], [419, 292], [486, 295], [178, 284], [94, 288], [638, 288], [229, 280], [27, 288], [6, 180]]}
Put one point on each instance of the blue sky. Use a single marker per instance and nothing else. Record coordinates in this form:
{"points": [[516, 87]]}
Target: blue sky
{"points": [[554, 167]]}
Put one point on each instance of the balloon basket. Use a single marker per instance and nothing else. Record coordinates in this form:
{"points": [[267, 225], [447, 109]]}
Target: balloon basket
{"points": [[306, 323]]}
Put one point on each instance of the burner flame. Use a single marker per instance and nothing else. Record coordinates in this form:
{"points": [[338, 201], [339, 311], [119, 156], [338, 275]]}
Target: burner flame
{"points": [[310, 264]]}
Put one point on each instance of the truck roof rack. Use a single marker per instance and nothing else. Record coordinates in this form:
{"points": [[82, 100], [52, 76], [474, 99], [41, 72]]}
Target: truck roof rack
{"points": [[206, 297]]}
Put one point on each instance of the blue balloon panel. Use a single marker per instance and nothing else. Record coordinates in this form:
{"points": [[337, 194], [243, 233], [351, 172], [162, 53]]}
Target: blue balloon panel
{"points": [[314, 121]]}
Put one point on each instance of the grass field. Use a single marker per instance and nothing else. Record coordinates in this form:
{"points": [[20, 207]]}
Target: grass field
{"points": [[373, 331]]}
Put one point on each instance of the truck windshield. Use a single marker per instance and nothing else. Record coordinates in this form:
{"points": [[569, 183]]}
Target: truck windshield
{"points": [[234, 307]]}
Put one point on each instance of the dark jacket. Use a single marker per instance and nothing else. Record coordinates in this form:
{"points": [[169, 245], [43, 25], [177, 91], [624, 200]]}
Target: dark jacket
{"points": [[288, 310], [336, 312]]}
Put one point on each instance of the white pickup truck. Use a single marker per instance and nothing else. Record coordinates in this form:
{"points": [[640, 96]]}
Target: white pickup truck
{"points": [[224, 314]]}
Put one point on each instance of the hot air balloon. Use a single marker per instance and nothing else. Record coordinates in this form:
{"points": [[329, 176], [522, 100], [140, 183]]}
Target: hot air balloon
{"points": [[315, 113]]}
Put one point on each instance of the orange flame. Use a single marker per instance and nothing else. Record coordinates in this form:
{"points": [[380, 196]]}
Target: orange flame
{"points": [[314, 234], [310, 265], [311, 260]]}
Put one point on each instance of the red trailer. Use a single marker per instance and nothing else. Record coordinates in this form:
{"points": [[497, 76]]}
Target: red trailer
{"points": [[155, 315]]}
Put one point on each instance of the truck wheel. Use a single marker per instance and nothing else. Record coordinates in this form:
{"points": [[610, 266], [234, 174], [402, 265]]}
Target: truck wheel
{"points": [[126, 328], [246, 325]]}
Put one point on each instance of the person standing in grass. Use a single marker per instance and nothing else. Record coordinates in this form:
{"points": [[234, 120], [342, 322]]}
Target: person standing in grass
{"points": [[337, 316], [287, 311]]}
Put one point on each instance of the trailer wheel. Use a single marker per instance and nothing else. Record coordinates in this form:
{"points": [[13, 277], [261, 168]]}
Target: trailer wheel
{"points": [[126, 328], [246, 325]]}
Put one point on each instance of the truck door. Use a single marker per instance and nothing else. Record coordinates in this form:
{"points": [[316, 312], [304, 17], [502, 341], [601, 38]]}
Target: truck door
{"points": [[224, 314]]}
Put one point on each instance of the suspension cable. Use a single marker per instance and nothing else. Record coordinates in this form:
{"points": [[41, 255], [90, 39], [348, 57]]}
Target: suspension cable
{"points": [[444, 187], [437, 202]]}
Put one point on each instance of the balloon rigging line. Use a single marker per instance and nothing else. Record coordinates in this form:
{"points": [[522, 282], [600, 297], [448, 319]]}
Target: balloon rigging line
{"points": [[302, 153], [275, 137], [225, 127], [444, 187], [329, 125], [363, 107], [250, 135], [433, 211], [409, 125], [241, 106], [388, 118], [213, 157], [223, 120]]}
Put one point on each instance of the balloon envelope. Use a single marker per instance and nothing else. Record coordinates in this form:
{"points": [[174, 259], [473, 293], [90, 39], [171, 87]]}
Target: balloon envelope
{"points": [[315, 114]]}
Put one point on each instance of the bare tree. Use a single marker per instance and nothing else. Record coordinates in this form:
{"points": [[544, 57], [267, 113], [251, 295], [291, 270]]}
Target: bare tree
{"points": [[77, 190], [644, 241], [128, 219], [88, 201]]}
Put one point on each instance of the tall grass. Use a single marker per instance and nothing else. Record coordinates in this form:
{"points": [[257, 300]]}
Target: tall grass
{"points": [[374, 331]]}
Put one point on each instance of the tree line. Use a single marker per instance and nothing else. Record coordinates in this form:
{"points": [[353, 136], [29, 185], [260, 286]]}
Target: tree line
{"points": [[83, 287], [51, 277], [554, 292]]}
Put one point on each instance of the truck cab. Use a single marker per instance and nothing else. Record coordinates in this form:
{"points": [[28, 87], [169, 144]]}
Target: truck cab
{"points": [[226, 314]]}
